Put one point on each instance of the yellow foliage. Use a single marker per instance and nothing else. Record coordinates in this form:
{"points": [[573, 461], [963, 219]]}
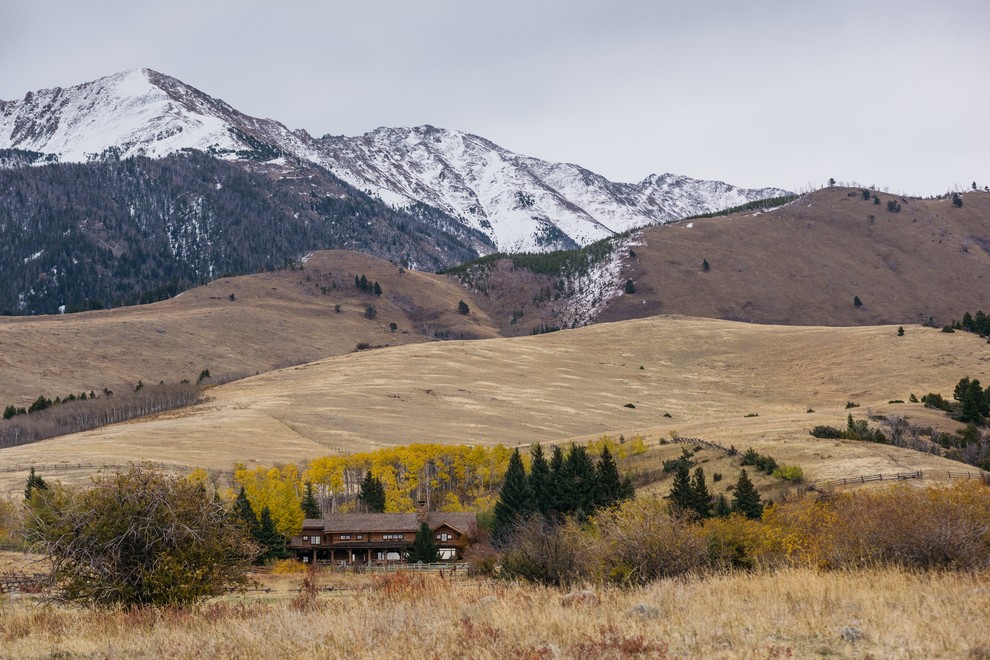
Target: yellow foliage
{"points": [[735, 541], [451, 504], [278, 488], [800, 531], [288, 567]]}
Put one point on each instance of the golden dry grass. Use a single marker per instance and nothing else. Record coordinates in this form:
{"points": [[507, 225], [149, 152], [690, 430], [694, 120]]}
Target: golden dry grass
{"points": [[792, 613], [707, 374], [276, 319], [803, 263]]}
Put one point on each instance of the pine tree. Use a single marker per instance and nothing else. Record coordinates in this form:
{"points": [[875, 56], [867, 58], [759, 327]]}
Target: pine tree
{"points": [[722, 508], [245, 514], [609, 485], [363, 283], [745, 499], [378, 288], [424, 548], [539, 481], [579, 487], [701, 499], [310, 507], [555, 489], [514, 501], [681, 495], [269, 538], [372, 495], [34, 482]]}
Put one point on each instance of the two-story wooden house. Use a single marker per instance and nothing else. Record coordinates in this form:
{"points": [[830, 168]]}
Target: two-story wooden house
{"points": [[365, 538]]}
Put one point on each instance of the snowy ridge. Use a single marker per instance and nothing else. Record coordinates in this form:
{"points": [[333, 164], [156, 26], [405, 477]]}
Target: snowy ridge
{"points": [[521, 203]]}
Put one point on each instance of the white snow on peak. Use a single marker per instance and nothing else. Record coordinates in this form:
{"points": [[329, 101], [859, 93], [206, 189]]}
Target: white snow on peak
{"points": [[521, 203]]}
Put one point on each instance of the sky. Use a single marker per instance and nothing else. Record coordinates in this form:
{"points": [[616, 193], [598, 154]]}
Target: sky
{"points": [[784, 93]]}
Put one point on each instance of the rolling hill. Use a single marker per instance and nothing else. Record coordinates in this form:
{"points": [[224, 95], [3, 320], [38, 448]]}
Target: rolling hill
{"points": [[735, 383], [234, 327]]}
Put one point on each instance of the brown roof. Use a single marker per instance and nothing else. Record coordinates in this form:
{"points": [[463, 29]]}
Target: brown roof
{"points": [[466, 523]]}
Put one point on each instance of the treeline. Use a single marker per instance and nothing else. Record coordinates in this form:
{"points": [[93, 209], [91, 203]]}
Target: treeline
{"points": [[437, 477], [571, 485], [102, 234], [970, 444], [640, 541], [978, 323], [84, 414], [558, 263], [758, 205]]}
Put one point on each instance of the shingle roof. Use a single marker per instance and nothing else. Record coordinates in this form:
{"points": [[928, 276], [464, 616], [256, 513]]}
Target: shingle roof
{"points": [[465, 523]]}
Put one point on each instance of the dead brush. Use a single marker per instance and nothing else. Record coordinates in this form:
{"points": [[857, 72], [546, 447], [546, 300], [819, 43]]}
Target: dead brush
{"points": [[309, 591], [405, 585]]}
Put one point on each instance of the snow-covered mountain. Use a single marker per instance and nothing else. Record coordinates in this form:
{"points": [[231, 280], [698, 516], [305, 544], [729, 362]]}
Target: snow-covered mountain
{"points": [[521, 203]]}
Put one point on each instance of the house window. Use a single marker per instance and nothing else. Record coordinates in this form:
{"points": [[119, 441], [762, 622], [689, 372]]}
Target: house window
{"points": [[444, 537], [391, 537], [360, 537], [345, 537]]}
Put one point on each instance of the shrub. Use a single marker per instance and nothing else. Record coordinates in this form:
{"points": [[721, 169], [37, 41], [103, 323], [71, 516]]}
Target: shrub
{"points": [[540, 551], [826, 432], [370, 312], [139, 538], [462, 307], [789, 473], [936, 527], [851, 404], [630, 286], [640, 541]]}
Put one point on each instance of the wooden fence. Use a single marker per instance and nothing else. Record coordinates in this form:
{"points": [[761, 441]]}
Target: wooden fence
{"points": [[698, 442], [11, 582], [900, 476]]}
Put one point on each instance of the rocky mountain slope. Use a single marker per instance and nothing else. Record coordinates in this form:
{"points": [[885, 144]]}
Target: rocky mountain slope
{"points": [[519, 203]]}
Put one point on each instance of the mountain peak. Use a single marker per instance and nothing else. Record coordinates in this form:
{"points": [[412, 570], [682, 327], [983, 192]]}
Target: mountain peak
{"points": [[521, 203]]}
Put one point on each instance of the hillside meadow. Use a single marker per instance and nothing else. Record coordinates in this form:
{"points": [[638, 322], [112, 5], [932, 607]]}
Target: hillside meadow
{"points": [[732, 383], [886, 613]]}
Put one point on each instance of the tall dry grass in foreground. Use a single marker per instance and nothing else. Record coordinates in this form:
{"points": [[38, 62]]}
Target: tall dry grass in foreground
{"points": [[880, 613]]}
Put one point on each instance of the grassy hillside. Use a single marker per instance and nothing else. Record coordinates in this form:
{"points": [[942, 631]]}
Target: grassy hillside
{"points": [[806, 262], [711, 377], [232, 326]]}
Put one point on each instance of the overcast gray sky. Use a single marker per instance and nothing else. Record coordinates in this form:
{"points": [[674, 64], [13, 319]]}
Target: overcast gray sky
{"points": [[760, 92]]}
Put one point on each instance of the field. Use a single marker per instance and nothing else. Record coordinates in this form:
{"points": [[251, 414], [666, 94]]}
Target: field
{"points": [[711, 377], [792, 613]]}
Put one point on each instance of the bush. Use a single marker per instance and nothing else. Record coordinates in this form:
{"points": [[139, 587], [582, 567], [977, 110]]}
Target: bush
{"points": [[462, 307], [936, 527], [630, 286], [789, 473], [139, 538], [370, 312], [640, 541], [543, 552], [827, 432]]}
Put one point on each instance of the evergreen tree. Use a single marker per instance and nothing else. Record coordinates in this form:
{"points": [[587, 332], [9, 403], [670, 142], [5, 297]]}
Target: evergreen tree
{"points": [[310, 507], [539, 481], [372, 495], [722, 508], [363, 283], [245, 514], [34, 482], [681, 495], [579, 487], [701, 499], [357, 282], [514, 501], [745, 499], [462, 307], [272, 543], [609, 486], [974, 403], [378, 288], [555, 494], [424, 548]]}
